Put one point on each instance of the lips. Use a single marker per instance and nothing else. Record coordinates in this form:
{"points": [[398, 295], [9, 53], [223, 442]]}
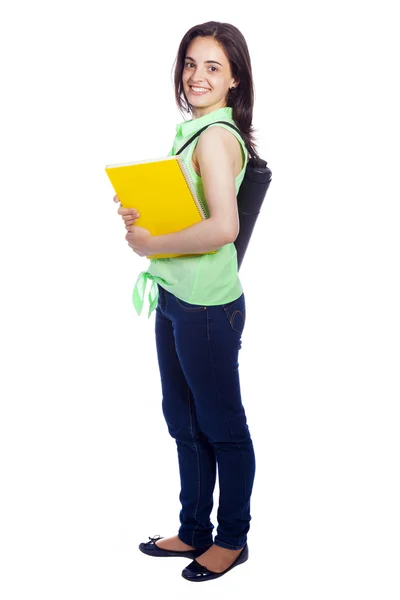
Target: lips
{"points": [[193, 92]]}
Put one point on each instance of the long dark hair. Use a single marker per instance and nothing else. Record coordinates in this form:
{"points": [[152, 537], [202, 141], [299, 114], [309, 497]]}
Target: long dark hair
{"points": [[241, 99]]}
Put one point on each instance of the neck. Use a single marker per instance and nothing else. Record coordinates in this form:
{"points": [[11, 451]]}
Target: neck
{"points": [[200, 111]]}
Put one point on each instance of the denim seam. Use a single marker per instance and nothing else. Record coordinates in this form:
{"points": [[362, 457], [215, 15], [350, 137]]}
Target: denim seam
{"points": [[233, 320], [198, 468], [228, 546]]}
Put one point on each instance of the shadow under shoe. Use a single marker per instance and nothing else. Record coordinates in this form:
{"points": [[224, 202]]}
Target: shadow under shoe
{"points": [[152, 549]]}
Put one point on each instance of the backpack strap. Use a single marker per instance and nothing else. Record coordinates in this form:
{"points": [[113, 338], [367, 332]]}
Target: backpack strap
{"points": [[205, 127]]}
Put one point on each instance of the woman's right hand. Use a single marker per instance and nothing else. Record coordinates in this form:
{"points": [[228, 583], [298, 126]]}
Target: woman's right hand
{"points": [[131, 215]]}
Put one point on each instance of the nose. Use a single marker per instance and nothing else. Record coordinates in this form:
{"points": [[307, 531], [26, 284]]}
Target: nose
{"points": [[197, 76]]}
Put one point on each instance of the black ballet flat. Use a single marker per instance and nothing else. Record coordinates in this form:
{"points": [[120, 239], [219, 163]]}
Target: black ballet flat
{"points": [[196, 572], [152, 549]]}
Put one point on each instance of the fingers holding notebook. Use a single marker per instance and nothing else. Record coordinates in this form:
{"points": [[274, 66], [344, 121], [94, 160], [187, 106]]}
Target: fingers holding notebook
{"points": [[129, 215]]}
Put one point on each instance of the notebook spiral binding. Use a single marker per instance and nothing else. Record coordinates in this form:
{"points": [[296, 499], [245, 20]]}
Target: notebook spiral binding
{"points": [[199, 204]]}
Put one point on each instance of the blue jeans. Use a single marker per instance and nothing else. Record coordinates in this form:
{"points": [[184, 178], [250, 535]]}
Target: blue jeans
{"points": [[197, 349]]}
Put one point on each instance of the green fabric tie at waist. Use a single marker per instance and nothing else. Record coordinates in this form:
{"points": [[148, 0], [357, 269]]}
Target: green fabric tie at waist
{"points": [[140, 289]]}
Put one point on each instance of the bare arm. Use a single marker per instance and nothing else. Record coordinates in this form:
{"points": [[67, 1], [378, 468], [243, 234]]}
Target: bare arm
{"points": [[216, 152]]}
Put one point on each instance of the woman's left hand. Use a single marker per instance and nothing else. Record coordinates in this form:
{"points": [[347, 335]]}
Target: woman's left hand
{"points": [[138, 238]]}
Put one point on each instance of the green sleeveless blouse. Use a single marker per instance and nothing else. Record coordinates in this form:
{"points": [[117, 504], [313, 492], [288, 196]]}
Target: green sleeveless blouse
{"points": [[205, 279]]}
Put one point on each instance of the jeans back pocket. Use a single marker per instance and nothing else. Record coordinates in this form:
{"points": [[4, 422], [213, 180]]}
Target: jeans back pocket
{"points": [[235, 312]]}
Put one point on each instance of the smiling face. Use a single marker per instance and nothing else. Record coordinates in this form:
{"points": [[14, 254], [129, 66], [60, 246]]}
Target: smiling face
{"points": [[206, 76]]}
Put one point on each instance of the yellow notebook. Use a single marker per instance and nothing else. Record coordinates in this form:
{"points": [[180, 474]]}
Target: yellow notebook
{"points": [[162, 192]]}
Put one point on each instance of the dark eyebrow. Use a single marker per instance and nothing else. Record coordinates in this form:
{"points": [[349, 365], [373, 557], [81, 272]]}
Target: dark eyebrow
{"points": [[206, 61]]}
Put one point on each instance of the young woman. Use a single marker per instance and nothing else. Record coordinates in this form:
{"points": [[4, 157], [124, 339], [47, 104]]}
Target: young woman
{"points": [[200, 306]]}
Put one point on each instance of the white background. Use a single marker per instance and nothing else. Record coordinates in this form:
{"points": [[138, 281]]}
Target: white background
{"points": [[88, 469]]}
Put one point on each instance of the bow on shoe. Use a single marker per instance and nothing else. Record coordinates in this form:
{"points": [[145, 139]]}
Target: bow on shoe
{"points": [[153, 540]]}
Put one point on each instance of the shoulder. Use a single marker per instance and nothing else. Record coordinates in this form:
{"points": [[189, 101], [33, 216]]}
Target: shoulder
{"points": [[218, 133], [216, 139]]}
